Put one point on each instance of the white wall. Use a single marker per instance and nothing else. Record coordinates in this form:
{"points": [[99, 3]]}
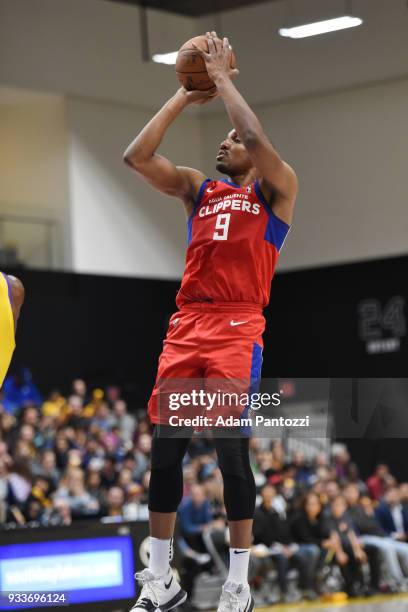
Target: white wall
{"points": [[87, 48], [349, 148], [119, 224], [350, 152], [34, 172]]}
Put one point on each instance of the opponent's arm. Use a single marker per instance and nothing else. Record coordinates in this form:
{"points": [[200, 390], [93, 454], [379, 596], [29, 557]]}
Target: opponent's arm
{"points": [[157, 170], [17, 297], [278, 178]]}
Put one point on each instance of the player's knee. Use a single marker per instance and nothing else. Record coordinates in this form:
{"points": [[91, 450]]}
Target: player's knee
{"points": [[165, 489], [233, 458]]}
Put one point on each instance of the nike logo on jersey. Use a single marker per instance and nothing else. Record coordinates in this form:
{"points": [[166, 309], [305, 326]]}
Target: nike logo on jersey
{"points": [[210, 189], [234, 323]]}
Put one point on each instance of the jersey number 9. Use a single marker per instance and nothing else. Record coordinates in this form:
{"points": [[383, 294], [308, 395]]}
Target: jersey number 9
{"points": [[221, 226]]}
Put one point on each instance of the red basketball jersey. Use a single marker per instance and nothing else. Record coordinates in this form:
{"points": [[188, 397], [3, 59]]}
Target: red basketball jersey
{"points": [[234, 240]]}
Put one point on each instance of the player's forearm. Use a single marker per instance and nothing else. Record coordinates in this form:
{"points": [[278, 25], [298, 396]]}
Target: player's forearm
{"points": [[242, 117], [148, 140]]}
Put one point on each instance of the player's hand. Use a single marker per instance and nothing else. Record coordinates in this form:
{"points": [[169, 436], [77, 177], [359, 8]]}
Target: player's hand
{"points": [[218, 58], [198, 97]]}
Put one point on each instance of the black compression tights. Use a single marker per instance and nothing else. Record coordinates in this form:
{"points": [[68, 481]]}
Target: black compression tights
{"points": [[166, 480]]}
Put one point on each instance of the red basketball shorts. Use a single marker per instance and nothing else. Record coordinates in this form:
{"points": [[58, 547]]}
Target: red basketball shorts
{"points": [[214, 350]]}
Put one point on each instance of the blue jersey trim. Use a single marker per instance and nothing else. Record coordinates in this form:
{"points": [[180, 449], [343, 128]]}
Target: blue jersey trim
{"points": [[276, 230], [196, 205], [228, 182]]}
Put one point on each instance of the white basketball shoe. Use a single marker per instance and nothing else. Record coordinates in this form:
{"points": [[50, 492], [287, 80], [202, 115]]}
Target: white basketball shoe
{"points": [[236, 597], [163, 592]]}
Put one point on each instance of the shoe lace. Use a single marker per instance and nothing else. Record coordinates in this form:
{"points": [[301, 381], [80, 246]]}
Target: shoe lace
{"points": [[229, 597], [148, 582]]}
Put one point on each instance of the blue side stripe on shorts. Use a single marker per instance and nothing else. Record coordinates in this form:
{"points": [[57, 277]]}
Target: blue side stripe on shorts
{"points": [[254, 383]]}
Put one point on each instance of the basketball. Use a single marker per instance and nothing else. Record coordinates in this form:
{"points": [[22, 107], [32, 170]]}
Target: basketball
{"points": [[190, 66]]}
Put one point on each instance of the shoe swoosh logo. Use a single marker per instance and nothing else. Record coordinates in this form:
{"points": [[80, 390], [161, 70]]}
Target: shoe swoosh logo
{"points": [[167, 586], [235, 323]]}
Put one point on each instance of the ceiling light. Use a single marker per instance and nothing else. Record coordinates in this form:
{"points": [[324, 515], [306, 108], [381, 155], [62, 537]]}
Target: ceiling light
{"points": [[165, 58], [321, 27]]}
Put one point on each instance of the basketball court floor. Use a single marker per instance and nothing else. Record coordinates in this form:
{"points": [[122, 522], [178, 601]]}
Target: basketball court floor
{"points": [[396, 603]]}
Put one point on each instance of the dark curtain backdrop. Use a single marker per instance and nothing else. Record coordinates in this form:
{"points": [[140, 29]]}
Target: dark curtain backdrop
{"points": [[110, 329]]}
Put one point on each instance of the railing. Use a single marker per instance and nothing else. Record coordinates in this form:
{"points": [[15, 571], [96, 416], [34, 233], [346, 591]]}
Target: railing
{"points": [[30, 241]]}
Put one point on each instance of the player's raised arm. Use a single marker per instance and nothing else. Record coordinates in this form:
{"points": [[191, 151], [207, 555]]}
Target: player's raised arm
{"points": [[277, 177], [157, 170]]}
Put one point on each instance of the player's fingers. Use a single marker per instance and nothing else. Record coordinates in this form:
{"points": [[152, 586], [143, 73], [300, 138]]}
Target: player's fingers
{"points": [[211, 45], [217, 41]]}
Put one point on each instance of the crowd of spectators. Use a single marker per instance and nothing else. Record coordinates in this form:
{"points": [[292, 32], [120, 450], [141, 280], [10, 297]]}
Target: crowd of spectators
{"points": [[65, 459], [86, 457]]}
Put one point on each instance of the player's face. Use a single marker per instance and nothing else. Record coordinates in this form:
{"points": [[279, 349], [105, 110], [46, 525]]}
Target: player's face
{"points": [[233, 158]]}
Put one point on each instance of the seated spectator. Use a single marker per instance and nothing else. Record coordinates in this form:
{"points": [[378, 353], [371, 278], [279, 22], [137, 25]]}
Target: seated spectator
{"points": [[144, 444], [33, 512], [41, 491], [213, 488], [332, 491], [47, 467], [124, 478], [392, 515], [303, 471], [29, 416], [94, 488], [195, 517], [3, 489], [62, 446], [274, 533], [79, 388], [19, 483], [404, 494], [18, 389], [72, 491], [53, 406], [125, 422], [393, 553], [108, 472], [74, 412], [349, 553], [341, 460], [102, 418], [134, 509], [307, 526], [137, 463], [59, 514], [114, 502], [376, 484]]}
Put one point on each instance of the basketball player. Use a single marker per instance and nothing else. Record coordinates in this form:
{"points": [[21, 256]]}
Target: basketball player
{"points": [[236, 228], [11, 300]]}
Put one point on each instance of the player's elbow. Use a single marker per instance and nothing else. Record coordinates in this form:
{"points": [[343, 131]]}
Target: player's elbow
{"points": [[17, 290], [131, 160], [134, 157]]}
